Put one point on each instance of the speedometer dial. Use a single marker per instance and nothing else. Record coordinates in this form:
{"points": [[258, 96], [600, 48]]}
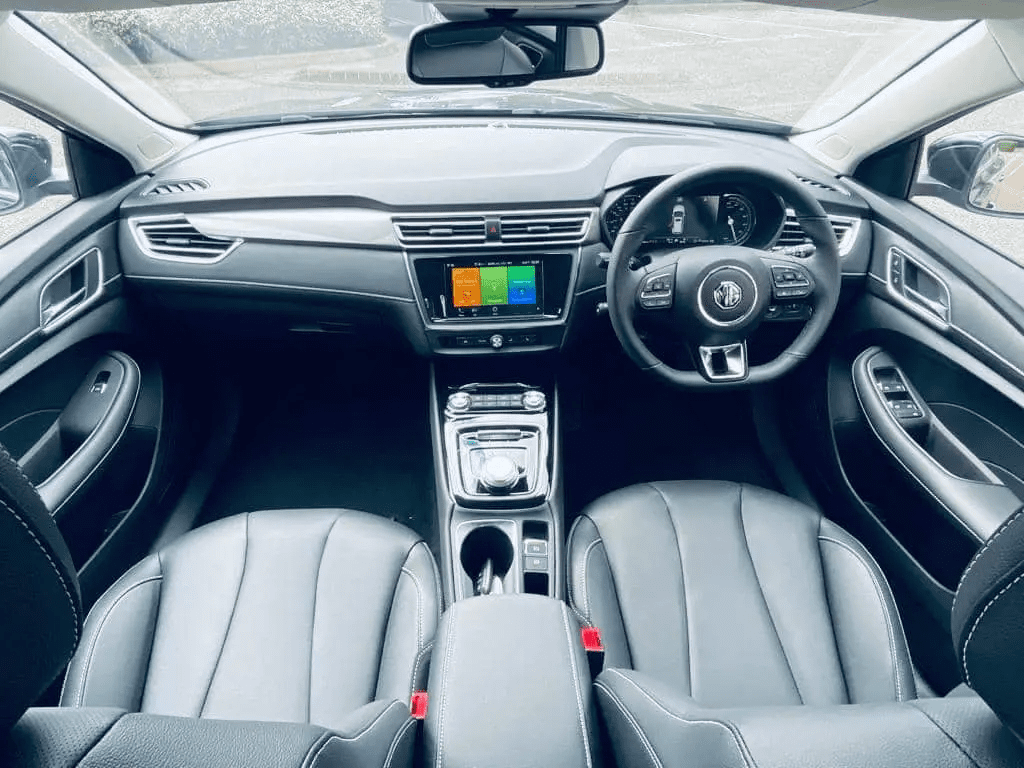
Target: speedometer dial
{"points": [[736, 219]]}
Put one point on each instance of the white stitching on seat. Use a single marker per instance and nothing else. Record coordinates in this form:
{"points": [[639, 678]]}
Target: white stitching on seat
{"points": [[1003, 591], [644, 741], [885, 612], [397, 740], [584, 567], [80, 699], [423, 654], [577, 687], [369, 726], [748, 759], [323, 746], [449, 651], [1006, 524], [17, 466], [419, 605], [56, 570]]}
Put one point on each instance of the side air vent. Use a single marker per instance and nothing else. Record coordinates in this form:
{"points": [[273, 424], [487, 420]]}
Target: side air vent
{"points": [[178, 187], [794, 235], [564, 227], [175, 239], [820, 185], [456, 230], [548, 228]]}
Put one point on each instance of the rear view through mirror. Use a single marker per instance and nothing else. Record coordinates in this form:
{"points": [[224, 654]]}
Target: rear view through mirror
{"points": [[502, 54]]}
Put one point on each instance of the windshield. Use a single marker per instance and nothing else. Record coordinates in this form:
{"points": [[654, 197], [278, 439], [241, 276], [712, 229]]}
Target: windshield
{"points": [[214, 65]]}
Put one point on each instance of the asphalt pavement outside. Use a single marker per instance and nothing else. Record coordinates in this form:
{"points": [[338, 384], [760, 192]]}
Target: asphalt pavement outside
{"points": [[770, 61]]}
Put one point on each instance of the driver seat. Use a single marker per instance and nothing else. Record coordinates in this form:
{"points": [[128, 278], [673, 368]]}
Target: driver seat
{"points": [[737, 596]]}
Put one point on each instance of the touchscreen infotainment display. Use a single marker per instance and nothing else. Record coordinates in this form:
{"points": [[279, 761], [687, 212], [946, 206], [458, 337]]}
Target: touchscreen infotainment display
{"points": [[495, 289]]}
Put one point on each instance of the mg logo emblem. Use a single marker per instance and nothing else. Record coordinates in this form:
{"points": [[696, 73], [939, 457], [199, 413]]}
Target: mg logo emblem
{"points": [[728, 295]]}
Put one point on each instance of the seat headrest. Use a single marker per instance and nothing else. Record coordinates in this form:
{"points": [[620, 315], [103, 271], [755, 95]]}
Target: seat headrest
{"points": [[988, 622], [40, 605]]}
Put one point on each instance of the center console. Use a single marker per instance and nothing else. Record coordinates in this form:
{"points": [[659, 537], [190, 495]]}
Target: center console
{"points": [[496, 461]]}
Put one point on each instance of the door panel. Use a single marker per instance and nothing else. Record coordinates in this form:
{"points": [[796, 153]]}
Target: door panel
{"points": [[82, 398], [919, 445]]}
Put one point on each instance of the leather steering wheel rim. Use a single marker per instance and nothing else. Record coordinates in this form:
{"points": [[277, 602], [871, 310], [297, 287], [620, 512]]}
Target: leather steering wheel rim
{"points": [[824, 264]]}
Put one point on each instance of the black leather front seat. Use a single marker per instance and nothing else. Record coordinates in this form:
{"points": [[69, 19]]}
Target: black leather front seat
{"points": [[288, 639], [737, 597], [298, 616]]}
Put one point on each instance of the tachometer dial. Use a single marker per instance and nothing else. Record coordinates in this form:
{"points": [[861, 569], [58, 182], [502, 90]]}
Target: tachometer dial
{"points": [[736, 220]]}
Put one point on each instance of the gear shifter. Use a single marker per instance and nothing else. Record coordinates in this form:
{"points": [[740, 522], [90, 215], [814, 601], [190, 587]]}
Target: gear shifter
{"points": [[487, 582]]}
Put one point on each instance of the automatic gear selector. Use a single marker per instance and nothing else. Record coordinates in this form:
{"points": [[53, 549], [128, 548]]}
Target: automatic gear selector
{"points": [[496, 443]]}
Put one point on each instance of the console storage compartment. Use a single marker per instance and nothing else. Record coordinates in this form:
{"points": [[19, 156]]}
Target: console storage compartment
{"points": [[510, 686]]}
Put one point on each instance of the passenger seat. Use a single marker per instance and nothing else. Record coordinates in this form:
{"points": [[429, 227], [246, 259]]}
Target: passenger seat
{"points": [[313, 626]]}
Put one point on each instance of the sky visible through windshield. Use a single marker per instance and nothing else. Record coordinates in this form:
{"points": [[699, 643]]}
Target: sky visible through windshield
{"points": [[188, 64]]}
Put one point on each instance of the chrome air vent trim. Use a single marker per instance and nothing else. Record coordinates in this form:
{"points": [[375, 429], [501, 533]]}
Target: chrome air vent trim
{"points": [[175, 238], [495, 228], [846, 229]]}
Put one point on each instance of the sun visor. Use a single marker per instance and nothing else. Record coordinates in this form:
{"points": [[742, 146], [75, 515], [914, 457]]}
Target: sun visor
{"points": [[937, 10]]}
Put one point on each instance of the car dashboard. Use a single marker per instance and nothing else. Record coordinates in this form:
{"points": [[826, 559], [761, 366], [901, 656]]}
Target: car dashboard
{"points": [[468, 236]]}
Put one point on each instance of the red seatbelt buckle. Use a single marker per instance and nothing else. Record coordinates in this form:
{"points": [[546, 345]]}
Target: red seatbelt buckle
{"points": [[595, 649], [418, 705]]}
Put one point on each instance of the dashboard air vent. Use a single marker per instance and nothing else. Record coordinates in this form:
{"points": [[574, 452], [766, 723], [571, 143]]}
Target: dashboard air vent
{"points": [[174, 238], [820, 185], [528, 228], [544, 228], [178, 187], [455, 230], [794, 235]]}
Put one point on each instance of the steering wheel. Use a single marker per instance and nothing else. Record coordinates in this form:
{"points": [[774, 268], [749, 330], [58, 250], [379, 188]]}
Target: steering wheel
{"points": [[715, 296]]}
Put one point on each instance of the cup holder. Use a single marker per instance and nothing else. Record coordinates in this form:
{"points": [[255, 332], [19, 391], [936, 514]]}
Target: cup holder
{"points": [[487, 555]]}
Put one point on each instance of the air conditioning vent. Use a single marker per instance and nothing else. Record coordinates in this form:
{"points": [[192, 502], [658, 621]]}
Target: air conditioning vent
{"points": [[178, 187], [493, 229], [174, 238], [455, 230], [545, 228], [793, 234], [820, 185]]}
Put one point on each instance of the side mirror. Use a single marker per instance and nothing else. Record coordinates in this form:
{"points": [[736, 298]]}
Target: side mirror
{"points": [[26, 170], [980, 172], [504, 53]]}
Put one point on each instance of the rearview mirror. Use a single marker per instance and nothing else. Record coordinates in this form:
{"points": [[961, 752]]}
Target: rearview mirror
{"points": [[980, 172], [506, 53], [26, 170]]}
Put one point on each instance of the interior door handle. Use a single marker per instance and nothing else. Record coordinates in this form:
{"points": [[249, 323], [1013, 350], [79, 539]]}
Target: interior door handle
{"points": [[71, 291], [67, 458], [960, 484], [918, 288]]}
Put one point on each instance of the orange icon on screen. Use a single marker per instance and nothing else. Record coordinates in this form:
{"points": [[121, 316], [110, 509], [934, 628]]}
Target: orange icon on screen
{"points": [[466, 287]]}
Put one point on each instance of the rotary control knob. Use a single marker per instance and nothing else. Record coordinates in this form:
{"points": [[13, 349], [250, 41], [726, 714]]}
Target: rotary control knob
{"points": [[497, 341], [534, 400], [459, 402], [499, 473]]}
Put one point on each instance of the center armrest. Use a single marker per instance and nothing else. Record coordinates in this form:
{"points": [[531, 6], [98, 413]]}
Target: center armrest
{"points": [[510, 686]]}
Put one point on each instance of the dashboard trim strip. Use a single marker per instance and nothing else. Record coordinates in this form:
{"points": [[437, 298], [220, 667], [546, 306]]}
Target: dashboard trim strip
{"points": [[275, 286]]}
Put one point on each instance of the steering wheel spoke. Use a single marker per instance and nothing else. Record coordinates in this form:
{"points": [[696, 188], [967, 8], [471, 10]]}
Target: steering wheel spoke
{"points": [[723, 362]]}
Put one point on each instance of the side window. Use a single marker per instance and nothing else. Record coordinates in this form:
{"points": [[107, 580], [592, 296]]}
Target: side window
{"points": [[34, 181], [1005, 116]]}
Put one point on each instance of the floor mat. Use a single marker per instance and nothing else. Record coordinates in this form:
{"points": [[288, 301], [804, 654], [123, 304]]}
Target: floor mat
{"points": [[352, 434]]}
